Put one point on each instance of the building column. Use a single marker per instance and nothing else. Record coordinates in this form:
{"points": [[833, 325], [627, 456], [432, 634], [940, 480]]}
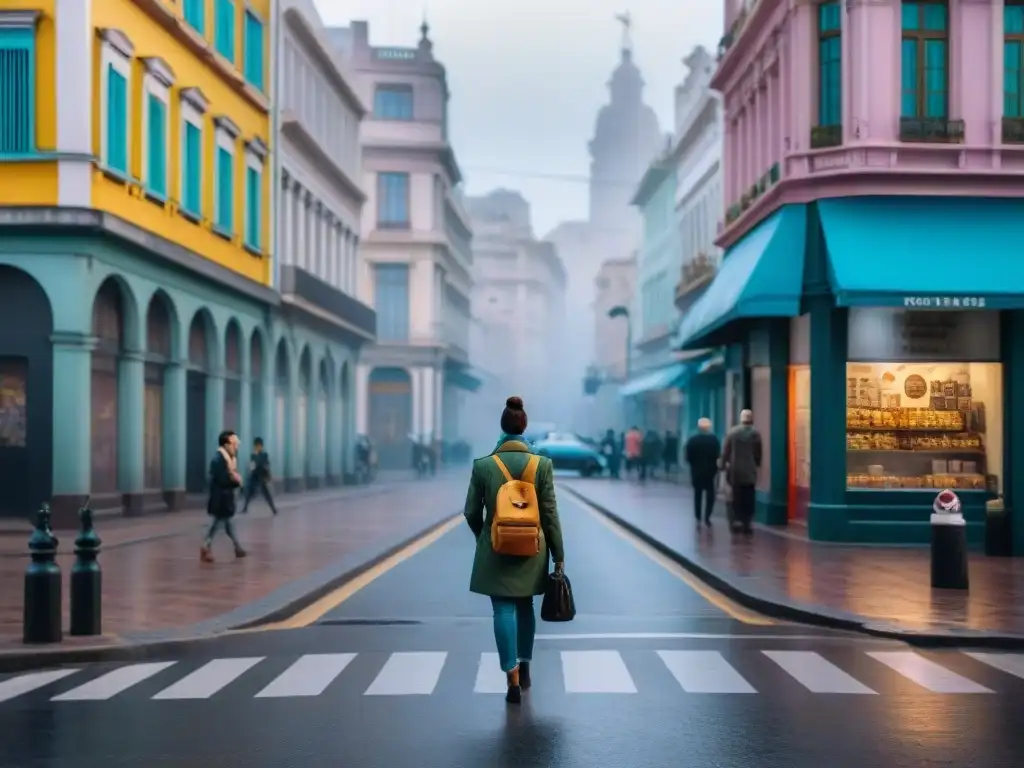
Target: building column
{"points": [[316, 436], [214, 410], [173, 459], [335, 430], [131, 425], [331, 275], [245, 415], [416, 375], [301, 228], [294, 451], [287, 254], [362, 399], [428, 380], [72, 423], [440, 417]]}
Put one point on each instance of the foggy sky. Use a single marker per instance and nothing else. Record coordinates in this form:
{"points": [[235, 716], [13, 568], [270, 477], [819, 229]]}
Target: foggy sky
{"points": [[528, 77]]}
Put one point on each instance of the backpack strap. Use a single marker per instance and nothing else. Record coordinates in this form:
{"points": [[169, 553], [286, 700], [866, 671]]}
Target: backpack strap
{"points": [[503, 468], [530, 473]]}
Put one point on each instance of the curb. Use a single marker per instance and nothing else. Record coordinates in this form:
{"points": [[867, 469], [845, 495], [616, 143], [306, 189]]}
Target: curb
{"points": [[276, 606], [787, 611]]}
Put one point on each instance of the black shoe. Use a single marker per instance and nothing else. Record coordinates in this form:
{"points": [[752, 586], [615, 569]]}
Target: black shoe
{"points": [[524, 675], [707, 521], [514, 695], [748, 529]]}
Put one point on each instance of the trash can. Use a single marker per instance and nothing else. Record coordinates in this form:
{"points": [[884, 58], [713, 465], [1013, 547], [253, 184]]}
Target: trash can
{"points": [[998, 529], [949, 543]]}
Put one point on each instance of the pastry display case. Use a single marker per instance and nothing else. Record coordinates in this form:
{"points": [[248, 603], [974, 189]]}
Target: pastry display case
{"points": [[916, 426]]}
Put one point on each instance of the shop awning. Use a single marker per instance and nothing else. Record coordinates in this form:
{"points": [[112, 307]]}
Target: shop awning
{"points": [[653, 381], [463, 378], [925, 252], [760, 276]]}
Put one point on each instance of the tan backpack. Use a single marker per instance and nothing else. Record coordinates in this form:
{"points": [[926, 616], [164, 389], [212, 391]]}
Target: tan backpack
{"points": [[515, 529]]}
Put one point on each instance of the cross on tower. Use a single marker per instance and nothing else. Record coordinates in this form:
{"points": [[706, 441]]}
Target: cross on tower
{"points": [[626, 20]]}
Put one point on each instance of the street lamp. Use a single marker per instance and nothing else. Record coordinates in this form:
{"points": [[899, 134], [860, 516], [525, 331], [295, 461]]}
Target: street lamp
{"points": [[620, 310]]}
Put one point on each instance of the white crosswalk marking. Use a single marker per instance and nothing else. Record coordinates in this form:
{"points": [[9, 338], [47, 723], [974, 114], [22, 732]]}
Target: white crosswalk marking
{"points": [[704, 672], [408, 674], [114, 682], [18, 686], [489, 677], [815, 673], [596, 672], [309, 676], [926, 673], [1010, 663], [209, 678]]}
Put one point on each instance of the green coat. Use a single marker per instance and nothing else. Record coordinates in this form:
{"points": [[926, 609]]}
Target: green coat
{"points": [[497, 575]]}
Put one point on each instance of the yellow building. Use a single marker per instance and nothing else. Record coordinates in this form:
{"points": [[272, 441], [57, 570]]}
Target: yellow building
{"points": [[135, 242]]}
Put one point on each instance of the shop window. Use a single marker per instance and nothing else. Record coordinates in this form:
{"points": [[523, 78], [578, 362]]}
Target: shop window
{"points": [[13, 402], [799, 441], [924, 425]]}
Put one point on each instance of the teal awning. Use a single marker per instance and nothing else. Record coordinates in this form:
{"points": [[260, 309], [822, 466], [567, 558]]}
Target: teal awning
{"points": [[760, 276], [925, 252], [659, 379], [462, 378]]}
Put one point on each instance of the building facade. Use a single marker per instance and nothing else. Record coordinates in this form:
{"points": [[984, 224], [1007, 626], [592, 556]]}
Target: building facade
{"points": [[135, 246], [416, 250], [615, 286], [519, 292], [322, 325], [862, 142]]}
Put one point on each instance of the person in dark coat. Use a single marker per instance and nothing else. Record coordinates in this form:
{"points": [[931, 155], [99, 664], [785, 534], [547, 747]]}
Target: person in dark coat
{"points": [[511, 581], [702, 454], [259, 476], [670, 453], [651, 455], [224, 482], [612, 452], [741, 459]]}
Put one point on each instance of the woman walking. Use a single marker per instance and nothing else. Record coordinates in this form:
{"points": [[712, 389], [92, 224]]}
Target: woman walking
{"points": [[511, 580]]}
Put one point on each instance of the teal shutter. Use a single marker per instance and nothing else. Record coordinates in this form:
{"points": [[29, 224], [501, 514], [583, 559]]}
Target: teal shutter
{"points": [[908, 74], [224, 30], [225, 190], [830, 83], [195, 15], [252, 208], [156, 151], [117, 121], [254, 58], [17, 91], [192, 176], [1011, 79], [935, 78]]}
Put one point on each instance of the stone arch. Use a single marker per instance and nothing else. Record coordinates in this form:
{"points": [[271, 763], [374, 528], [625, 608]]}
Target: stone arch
{"points": [[114, 320], [282, 413], [306, 413], [161, 349], [390, 416], [26, 394], [233, 371], [257, 382], [203, 359]]}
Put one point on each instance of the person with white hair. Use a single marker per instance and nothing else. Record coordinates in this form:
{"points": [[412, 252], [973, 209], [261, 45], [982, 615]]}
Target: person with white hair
{"points": [[741, 460], [702, 454]]}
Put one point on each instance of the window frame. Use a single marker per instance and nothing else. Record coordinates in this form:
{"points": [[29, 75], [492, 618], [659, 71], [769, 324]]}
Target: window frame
{"points": [[250, 14], [256, 152], [186, 4], [383, 223], [194, 106], [157, 81], [225, 137], [26, 22], [389, 313], [394, 88], [1013, 37], [117, 52], [823, 35], [921, 37], [217, 26]]}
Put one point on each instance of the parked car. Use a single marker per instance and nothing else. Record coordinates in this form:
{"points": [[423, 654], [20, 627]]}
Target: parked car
{"points": [[567, 451]]}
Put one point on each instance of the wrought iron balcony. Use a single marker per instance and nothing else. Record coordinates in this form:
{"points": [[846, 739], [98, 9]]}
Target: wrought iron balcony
{"points": [[696, 273], [1013, 130], [826, 136], [931, 130]]}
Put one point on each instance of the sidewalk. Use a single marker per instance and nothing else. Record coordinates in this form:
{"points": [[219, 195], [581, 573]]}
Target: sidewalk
{"points": [[880, 590], [156, 590]]}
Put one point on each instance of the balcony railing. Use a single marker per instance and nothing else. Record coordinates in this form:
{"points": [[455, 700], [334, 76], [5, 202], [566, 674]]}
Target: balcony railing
{"points": [[826, 136], [931, 130], [767, 181], [695, 273], [1013, 130]]}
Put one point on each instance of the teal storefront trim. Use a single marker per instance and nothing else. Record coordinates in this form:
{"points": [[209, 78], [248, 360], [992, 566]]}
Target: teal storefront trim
{"points": [[760, 276], [914, 252], [666, 377]]}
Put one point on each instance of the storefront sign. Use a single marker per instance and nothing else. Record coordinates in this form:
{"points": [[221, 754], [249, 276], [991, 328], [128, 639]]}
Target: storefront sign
{"points": [[944, 302], [888, 334]]}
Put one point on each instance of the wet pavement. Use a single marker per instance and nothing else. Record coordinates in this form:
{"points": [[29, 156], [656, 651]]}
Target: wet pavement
{"points": [[403, 675], [887, 585], [157, 583]]}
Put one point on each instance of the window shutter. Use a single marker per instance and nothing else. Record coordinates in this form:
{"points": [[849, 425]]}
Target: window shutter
{"points": [[17, 91], [117, 121], [193, 168], [157, 151]]}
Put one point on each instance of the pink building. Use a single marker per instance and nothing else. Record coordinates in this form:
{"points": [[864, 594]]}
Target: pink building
{"points": [[874, 233]]}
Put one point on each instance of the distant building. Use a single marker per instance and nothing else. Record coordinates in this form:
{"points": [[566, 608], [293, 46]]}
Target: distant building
{"points": [[519, 292], [416, 249], [615, 286]]}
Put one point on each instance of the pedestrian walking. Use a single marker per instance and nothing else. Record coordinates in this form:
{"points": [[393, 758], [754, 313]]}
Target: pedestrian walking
{"points": [[670, 454], [512, 512], [611, 451], [651, 451], [224, 482], [259, 476], [741, 460], [633, 442], [702, 454]]}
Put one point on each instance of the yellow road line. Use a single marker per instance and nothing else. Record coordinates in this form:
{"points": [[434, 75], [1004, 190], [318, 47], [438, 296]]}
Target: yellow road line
{"points": [[713, 596], [314, 612]]}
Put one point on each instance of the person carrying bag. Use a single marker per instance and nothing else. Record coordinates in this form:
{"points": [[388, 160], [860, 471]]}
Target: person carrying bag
{"points": [[512, 512], [558, 604]]}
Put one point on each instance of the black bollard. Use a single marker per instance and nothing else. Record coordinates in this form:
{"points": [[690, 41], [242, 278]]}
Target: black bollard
{"points": [[86, 578], [42, 616]]}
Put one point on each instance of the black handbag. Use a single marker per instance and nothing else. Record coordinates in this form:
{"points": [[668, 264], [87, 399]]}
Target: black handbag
{"points": [[558, 604]]}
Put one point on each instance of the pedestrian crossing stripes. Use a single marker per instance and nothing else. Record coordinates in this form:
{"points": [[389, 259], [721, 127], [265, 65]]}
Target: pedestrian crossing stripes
{"points": [[609, 672]]}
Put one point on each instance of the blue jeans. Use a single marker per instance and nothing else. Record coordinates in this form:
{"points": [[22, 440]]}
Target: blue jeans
{"points": [[514, 628]]}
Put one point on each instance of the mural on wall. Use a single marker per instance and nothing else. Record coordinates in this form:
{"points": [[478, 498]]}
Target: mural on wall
{"points": [[108, 326], [13, 402]]}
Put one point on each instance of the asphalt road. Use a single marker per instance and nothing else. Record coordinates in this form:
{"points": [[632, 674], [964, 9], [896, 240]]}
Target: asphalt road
{"points": [[402, 675]]}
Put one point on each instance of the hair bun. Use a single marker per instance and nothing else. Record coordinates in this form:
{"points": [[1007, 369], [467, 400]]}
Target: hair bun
{"points": [[514, 403]]}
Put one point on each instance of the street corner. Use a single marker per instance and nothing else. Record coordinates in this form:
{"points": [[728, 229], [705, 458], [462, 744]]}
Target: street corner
{"points": [[16, 656]]}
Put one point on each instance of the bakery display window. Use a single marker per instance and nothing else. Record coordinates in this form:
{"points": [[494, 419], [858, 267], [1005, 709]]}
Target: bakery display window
{"points": [[924, 425]]}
